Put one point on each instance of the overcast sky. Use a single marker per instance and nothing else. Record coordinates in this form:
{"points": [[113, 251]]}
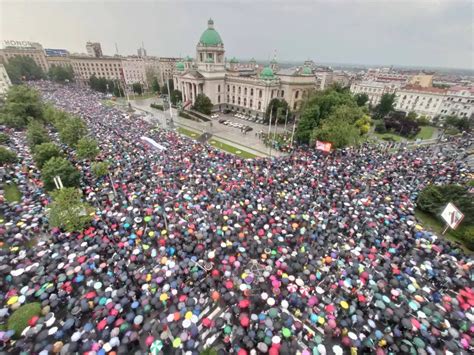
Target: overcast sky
{"points": [[415, 32]]}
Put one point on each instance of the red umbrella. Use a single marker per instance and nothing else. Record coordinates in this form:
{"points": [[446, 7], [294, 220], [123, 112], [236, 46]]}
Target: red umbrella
{"points": [[242, 352], [32, 321], [329, 308], [229, 284], [101, 325], [244, 303], [90, 295], [244, 321], [207, 322], [415, 323]]}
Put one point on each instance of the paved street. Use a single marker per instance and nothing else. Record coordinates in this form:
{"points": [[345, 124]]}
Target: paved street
{"points": [[232, 135]]}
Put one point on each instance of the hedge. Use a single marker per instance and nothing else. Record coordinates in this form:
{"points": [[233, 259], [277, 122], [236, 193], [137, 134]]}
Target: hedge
{"points": [[158, 107]]}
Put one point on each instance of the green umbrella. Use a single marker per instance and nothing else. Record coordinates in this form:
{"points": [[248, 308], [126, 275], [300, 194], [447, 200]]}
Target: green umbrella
{"points": [[273, 313], [227, 329], [380, 304], [420, 344], [156, 346], [414, 305], [147, 219], [286, 332]]}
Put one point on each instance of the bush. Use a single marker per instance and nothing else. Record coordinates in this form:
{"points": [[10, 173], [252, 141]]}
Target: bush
{"points": [[67, 211], [61, 167], [158, 107], [4, 138], [44, 152], [36, 134], [7, 156], [188, 116], [87, 148], [100, 169], [18, 321], [72, 130], [380, 127]]}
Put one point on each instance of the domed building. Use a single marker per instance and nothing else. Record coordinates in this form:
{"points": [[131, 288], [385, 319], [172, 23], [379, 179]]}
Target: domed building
{"points": [[245, 88]]}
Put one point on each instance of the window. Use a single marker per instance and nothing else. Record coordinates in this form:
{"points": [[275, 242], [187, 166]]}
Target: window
{"points": [[228, 98], [260, 93], [238, 100], [297, 93], [259, 105], [271, 95], [218, 88], [251, 92], [233, 99], [219, 99], [250, 103], [245, 91], [239, 90], [245, 101], [233, 89], [294, 106], [282, 93], [228, 88]]}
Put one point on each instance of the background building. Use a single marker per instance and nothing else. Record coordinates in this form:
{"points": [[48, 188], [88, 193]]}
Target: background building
{"points": [[5, 82], [374, 89], [105, 67], [134, 71], [246, 88], [33, 50], [425, 101], [459, 101], [94, 49]]}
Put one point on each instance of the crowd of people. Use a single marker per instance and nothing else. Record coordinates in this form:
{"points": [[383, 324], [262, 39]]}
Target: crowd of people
{"points": [[191, 248]]}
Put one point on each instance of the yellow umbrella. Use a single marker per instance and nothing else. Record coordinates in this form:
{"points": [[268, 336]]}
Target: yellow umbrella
{"points": [[12, 300], [176, 342], [344, 304], [321, 320], [188, 315], [163, 297]]}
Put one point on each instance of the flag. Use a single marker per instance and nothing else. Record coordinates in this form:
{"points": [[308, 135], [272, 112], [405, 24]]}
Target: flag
{"points": [[324, 146]]}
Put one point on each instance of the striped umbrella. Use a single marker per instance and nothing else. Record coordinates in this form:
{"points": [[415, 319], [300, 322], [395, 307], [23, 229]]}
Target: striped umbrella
{"points": [[156, 346]]}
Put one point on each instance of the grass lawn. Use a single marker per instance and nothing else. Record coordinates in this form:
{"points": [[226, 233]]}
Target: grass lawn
{"points": [[426, 132], [231, 149], [395, 137], [109, 103], [431, 224], [19, 319], [12, 193], [188, 132]]}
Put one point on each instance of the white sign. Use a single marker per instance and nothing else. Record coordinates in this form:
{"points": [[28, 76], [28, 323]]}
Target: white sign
{"points": [[452, 215], [153, 143], [21, 44]]}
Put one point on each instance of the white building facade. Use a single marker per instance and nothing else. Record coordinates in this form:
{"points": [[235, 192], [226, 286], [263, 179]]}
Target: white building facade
{"points": [[134, 71], [459, 101], [5, 82], [374, 89], [243, 88], [424, 101]]}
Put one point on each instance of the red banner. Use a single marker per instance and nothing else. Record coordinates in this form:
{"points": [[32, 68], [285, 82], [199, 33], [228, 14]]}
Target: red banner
{"points": [[324, 146]]}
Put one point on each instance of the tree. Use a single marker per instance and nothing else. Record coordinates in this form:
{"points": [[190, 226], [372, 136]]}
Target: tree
{"points": [[412, 116], [61, 74], [4, 138], [72, 130], [340, 132], [203, 104], [87, 148], [61, 167], [176, 97], [100, 169], [380, 127], [7, 156], [308, 121], [137, 88], [385, 106], [155, 86], [361, 99], [23, 68], [36, 134], [363, 124], [462, 124], [278, 108], [68, 211], [22, 105], [164, 90], [44, 152], [98, 84]]}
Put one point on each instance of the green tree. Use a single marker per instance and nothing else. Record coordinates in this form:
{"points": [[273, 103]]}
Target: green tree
{"points": [[412, 116], [98, 84], [203, 104], [340, 132], [23, 68], [137, 88], [363, 124], [61, 167], [278, 110], [72, 130], [87, 148], [36, 134], [309, 119], [176, 97], [4, 138], [100, 169], [462, 124], [44, 152], [361, 99], [68, 211], [61, 74], [385, 106], [22, 105], [7, 156], [155, 86]]}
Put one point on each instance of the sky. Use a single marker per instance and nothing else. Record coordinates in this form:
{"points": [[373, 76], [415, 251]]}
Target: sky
{"points": [[435, 33]]}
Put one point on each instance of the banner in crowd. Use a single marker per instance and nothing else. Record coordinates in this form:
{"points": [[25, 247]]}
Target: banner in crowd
{"points": [[324, 146], [153, 143]]}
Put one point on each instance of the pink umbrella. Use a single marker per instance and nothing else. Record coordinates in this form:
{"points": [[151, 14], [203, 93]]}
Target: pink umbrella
{"points": [[149, 340]]}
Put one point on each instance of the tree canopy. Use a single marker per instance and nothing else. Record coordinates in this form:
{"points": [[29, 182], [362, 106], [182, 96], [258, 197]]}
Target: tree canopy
{"points": [[61, 167], [68, 211], [44, 152], [72, 130], [385, 106], [22, 105], [176, 97], [361, 99], [203, 104], [87, 148], [278, 108], [61, 74], [7, 156], [137, 88], [155, 86], [23, 68]]}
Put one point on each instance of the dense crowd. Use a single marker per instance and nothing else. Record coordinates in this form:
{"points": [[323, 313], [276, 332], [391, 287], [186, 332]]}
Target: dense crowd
{"points": [[312, 253]]}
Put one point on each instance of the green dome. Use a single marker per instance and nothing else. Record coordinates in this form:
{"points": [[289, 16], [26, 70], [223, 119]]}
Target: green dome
{"points": [[253, 60], [180, 66], [189, 59], [267, 73], [210, 37], [306, 71], [234, 60]]}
